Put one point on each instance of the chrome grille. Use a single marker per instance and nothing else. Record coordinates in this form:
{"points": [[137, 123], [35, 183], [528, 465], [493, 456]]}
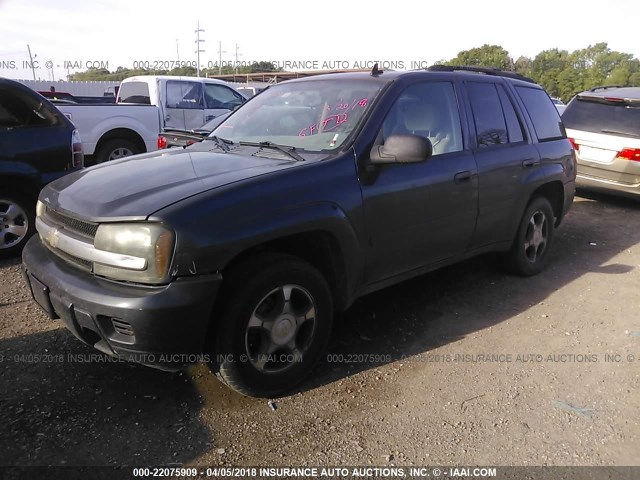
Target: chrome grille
{"points": [[80, 227], [78, 262]]}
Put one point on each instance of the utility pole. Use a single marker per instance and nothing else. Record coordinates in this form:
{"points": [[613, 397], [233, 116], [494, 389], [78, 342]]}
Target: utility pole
{"points": [[237, 55], [220, 52], [177, 50], [33, 70], [198, 41]]}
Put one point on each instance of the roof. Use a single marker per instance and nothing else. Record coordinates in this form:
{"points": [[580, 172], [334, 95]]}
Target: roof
{"points": [[172, 77], [391, 75], [613, 91]]}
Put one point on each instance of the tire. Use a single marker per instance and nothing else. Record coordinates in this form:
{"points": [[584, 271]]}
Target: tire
{"points": [[116, 148], [528, 255], [17, 222], [265, 345]]}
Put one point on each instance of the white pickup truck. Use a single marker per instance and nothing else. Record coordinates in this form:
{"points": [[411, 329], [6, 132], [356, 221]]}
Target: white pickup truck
{"points": [[113, 131], [185, 103], [146, 105]]}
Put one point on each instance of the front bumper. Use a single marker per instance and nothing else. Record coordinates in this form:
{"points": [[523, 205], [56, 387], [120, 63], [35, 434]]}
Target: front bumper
{"points": [[162, 326]]}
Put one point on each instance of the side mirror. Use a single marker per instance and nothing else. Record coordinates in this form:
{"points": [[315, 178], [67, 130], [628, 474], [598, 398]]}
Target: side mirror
{"points": [[402, 149]]}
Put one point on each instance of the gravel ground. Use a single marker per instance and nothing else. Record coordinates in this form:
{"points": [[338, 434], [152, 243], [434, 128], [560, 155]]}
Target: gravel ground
{"points": [[562, 387]]}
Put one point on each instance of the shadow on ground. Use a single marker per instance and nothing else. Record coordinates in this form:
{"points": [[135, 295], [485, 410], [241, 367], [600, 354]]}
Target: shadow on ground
{"points": [[64, 404]]}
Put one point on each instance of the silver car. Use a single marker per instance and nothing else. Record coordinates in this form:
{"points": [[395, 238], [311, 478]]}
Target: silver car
{"points": [[603, 125]]}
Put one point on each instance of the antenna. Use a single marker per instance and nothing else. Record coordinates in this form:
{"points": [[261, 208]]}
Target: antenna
{"points": [[376, 71], [198, 41]]}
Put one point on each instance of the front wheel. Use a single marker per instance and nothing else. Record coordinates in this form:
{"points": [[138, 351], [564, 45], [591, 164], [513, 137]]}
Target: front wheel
{"points": [[530, 249], [274, 327]]}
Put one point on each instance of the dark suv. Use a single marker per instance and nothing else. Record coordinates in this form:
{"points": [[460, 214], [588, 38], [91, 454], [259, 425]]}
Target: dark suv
{"points": [[312, 194], [37, 145]]}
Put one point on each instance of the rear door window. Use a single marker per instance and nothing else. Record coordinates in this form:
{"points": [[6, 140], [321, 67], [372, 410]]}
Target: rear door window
{"points": [[594, 114], [185, 95], [544, 115], [514, 127], [491, 126], [134, 92]]}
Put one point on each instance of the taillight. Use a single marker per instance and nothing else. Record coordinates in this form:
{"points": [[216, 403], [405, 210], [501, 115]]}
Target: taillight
{"points": [[162, 142], [630, 154], [77, 152], [575, 146]]}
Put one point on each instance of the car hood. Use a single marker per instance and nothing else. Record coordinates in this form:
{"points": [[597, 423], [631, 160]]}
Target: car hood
{"points": [[136, 187]]}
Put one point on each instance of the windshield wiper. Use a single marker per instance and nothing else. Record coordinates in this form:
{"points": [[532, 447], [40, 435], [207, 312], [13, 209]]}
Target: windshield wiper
{"points": [[287, 150], [223, 143]]}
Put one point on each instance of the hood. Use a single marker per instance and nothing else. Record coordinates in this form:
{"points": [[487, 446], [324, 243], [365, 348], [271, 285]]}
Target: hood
{"points": [[135, 187]]}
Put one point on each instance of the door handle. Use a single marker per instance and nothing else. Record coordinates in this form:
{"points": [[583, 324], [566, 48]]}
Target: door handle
{"points": [[209, 117], [530, 162], [462, 176]]}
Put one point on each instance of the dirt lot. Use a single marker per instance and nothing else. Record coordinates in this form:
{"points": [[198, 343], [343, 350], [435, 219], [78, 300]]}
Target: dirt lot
{"points": [[548, 396]]}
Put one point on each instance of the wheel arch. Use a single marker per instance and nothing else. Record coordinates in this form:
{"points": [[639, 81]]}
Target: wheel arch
{"points": [[554, 192], [121, 133], [319, 248]]}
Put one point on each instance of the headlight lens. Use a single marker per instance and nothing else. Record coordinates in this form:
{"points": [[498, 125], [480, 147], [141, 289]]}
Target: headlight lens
{"points": [[40, 209], [152, 241]]}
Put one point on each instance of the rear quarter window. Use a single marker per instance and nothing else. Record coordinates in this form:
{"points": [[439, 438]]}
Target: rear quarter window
{"points": [[544, 115]]}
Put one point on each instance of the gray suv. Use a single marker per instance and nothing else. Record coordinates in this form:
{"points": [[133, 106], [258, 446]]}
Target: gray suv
{"points": [[310, 195]]}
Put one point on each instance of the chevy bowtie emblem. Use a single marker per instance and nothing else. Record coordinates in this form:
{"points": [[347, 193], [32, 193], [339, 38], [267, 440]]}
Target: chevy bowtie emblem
{"points": [[53, 238]]}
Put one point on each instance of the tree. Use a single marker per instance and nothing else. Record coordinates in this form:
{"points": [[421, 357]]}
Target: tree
{"points": [[485, 56], [523, 66], [546, 68]]}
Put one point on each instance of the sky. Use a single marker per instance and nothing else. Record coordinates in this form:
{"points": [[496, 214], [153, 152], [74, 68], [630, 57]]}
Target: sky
{"points": [[66, 34]]}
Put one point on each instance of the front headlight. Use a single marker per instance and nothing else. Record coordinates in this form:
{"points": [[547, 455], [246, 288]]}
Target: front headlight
{"points": [[40, 208], [152, 242]]}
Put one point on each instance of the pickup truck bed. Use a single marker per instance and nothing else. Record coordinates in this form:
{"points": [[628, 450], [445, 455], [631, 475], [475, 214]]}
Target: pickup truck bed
{"points": [[113, 131]]}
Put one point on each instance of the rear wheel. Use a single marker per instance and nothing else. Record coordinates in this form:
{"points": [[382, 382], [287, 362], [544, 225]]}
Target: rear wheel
{"points": [[274, 327], [529, 252], [115, 149], [17, 223]]}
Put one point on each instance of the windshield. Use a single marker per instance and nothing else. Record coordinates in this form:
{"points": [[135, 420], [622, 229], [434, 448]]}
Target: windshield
{"points": [[312, 115]]}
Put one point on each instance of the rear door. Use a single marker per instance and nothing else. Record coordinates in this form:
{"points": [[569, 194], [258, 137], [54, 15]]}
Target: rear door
{"points": [[422, 213], [184, 105], [508, 162]]}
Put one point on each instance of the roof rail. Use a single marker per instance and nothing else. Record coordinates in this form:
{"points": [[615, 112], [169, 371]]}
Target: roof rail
{"points": [[605, 87], [486, 70]]}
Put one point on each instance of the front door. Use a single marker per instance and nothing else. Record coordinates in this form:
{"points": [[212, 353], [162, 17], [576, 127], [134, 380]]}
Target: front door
{"points": [[219, 100], [422, 213]]}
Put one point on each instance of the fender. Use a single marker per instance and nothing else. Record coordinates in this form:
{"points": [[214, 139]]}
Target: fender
{"points": [[265, 227]]}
